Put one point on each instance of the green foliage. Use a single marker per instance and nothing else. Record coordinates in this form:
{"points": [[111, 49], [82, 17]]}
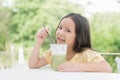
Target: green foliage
{"points": [[27, 17], [4, 31], [111, 61], [105, 32], [105, 35]]}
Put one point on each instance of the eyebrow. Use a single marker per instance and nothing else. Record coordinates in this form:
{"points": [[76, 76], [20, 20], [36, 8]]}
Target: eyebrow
{"points": [[60, 25], [68, 27]]}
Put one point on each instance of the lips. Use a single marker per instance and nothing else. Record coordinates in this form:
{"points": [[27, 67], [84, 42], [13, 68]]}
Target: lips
{"points": [[60, 40]]}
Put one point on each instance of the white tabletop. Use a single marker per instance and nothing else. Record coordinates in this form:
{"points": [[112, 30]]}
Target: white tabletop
{"points": [[46, 73]]}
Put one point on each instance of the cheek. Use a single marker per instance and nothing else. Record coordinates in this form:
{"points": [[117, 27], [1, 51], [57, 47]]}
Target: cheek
{"points": [[71, 39], [56, 33]]}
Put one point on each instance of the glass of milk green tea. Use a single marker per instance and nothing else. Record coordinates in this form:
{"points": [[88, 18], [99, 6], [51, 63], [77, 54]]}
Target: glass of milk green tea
{"points": [[58, 54]]}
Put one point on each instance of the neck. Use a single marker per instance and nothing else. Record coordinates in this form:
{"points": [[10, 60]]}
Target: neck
{"points": [[70, 54]]}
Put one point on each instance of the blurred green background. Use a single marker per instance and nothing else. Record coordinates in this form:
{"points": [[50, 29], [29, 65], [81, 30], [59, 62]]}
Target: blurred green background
{"points": [[20, 22]]}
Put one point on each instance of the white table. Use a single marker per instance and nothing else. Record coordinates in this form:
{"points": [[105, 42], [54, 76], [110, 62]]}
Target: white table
{"points": [[46, 73]]}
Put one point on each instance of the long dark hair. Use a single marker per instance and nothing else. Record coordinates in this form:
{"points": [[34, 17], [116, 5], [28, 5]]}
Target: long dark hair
{"points": [[82, 31]]}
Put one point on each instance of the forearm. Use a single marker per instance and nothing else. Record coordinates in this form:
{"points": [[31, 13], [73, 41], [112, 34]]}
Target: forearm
{"points": [[85, 67], [35, 61], [95, 67], [34, 57]]}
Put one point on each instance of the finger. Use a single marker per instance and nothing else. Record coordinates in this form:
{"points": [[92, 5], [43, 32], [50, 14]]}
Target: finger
{"points": [[45, 33], [61, 70], [40, 35], [47, 30]]}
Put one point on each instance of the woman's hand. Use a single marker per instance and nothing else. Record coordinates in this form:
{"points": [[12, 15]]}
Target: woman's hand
{"points": [[68, 67], [41, 35]]}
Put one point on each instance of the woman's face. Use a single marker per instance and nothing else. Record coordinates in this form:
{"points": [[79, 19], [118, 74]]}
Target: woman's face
{"points": [[65, 33]]}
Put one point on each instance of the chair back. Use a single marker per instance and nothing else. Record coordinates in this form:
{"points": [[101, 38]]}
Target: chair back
{"points": [[117, 60]]}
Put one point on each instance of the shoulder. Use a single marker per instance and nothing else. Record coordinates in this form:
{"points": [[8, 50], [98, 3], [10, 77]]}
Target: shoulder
{"points": [[93, 56], [90, 51], [48, 56], [48, 52]]}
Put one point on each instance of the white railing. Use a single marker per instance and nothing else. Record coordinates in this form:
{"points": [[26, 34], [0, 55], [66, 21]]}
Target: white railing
{"points": [[110, 53], [117, 59]]}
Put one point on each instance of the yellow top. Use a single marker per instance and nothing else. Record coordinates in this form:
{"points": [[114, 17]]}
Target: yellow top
{"points": [[86, 56]]}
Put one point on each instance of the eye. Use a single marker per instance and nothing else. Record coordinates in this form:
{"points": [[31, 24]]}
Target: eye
{"points": [[68, 30], [59, 27]]}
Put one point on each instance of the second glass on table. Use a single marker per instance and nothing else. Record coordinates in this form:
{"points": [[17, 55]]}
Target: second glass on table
{"points": [[58, 54]]}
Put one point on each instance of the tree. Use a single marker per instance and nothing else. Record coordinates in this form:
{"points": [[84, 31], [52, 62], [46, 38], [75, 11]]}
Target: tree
{"points": [[28, 16], [4, 31]]}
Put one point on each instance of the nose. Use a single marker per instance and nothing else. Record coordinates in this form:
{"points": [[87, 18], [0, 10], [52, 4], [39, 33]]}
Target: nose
{"points": [[61, 32]]}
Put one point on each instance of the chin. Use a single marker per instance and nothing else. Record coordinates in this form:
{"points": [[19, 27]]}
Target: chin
{"points": [[58, 42]]}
